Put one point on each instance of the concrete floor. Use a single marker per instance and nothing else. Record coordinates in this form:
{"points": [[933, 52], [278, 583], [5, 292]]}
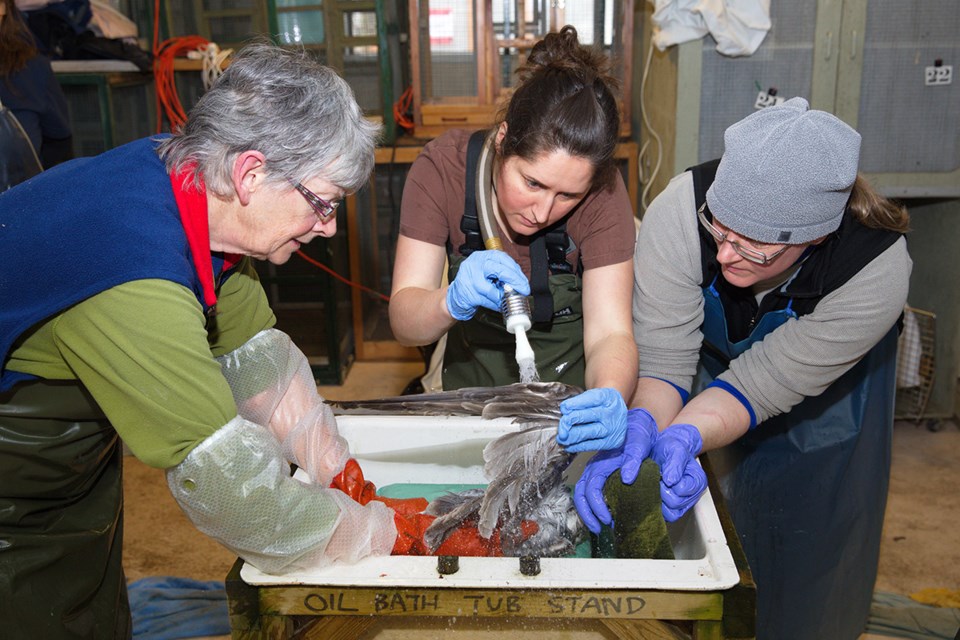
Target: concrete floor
{"points": [[920, 549]]}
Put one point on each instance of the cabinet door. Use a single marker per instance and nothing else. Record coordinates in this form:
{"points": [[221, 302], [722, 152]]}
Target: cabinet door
{"points": [[911, 130], [729, 86]]}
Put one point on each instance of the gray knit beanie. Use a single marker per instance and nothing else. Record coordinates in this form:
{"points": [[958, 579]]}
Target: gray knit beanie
{"points": [[786, 174]]}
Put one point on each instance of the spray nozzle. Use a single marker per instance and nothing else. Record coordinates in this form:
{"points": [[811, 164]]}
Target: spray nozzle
{"points": [[515, 309]]}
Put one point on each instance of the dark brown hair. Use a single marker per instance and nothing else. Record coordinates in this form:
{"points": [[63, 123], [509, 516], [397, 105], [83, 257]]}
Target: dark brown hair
{"points": [[565, 100], [875, 211], [16, 41]]}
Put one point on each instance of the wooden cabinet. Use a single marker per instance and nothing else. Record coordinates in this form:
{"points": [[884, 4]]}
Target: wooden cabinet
{"points": [[346, 35], [109, 103], [863, 60], [464, 54]]}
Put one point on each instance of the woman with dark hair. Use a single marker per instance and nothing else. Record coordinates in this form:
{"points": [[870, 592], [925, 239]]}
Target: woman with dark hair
{"points": [[29, 89], [535, 203]]}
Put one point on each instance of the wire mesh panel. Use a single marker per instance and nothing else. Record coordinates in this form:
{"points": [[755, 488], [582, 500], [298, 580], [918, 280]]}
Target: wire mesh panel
{"points": [[448, 50], [342, 35], [730, 85], [908, 125], [106, 113], [915, 363], [360, 58], [231, 22], [374, 222]]}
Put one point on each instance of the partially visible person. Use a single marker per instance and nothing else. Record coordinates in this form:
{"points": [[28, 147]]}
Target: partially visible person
{"points": [[132, 310], [29, 89], [768, 290], [535, 203]]}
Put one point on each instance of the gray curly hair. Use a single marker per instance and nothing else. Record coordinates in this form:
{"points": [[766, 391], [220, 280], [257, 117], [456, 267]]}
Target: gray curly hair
{"points": [[299, 114]]}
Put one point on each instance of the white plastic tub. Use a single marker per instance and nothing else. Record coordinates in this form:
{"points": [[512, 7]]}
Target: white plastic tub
{"points": [[433, 450]]}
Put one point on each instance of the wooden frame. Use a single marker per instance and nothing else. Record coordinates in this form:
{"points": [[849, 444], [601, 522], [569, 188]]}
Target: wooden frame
{"points": [[434, 116]]}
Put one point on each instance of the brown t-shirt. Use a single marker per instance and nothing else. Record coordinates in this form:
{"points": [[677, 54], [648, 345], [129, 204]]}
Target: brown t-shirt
{"points": [[601, 226]]}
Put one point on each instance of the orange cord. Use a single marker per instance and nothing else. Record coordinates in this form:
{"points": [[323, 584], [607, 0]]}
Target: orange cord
{"points": [[402, 107], [341, 278], [164, 53]]}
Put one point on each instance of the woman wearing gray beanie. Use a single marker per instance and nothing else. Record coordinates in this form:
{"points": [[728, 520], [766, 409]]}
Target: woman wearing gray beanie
{"points": [[767, 291]]}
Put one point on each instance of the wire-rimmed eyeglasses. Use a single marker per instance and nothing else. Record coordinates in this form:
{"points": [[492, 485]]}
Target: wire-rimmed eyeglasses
{"points": [[754, 256], [324, 210]]}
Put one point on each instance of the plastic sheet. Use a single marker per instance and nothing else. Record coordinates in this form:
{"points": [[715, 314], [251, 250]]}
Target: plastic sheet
{"points": [[18, 159]]}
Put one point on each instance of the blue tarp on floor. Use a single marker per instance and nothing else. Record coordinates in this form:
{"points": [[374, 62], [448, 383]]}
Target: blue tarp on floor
{"points": [[168, 608]]}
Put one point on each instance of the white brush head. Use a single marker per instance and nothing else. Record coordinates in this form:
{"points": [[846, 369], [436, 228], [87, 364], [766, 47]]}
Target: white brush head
{"points": [[518, 324], [524, 350]]}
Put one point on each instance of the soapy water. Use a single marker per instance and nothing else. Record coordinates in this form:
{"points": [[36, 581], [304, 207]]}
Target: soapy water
{"points": [[525, 359], [528, 371]]}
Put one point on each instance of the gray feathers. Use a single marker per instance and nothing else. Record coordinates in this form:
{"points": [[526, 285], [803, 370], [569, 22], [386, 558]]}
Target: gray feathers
{"points": [[525, 468], [523, 401]]}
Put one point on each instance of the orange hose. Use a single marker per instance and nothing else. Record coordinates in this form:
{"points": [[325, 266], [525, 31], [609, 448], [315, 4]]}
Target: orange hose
{"points": [[341, 278], [164, 53], [402, 107]]}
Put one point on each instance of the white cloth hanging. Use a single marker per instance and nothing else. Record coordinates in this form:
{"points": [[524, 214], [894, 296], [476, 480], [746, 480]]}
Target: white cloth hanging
{"points": [[738, 26], [909, 351]]}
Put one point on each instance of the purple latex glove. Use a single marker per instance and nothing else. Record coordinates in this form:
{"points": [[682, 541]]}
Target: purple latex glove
{"points": [[479, 283], [594, 420], [682, 480], [588, 493]]}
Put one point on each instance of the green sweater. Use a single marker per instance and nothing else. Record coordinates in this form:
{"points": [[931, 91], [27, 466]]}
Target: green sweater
{"points": [[145, 351]]}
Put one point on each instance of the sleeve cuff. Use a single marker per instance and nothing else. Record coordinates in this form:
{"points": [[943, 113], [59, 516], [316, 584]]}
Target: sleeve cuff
{"points": [[732, 390], [684, 394]]}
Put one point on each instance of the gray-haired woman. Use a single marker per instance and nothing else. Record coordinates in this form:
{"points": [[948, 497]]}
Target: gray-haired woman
{"points": [[131, 311]]}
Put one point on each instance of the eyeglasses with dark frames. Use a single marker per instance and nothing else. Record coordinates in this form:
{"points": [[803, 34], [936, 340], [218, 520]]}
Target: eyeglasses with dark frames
{"points": [[324, 210], [754, 256]]}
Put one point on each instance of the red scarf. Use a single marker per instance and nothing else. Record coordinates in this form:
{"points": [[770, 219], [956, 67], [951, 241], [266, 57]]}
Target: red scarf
{"points": [[192, 204]]}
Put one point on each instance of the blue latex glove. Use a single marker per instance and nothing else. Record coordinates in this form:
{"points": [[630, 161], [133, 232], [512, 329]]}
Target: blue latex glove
{"points": [[682, 480], [594, 420], [479, 283], [588, 494]]}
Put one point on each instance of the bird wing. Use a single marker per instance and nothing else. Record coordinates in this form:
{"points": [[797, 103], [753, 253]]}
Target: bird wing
{"points": [[525, 469], [523, 401]]}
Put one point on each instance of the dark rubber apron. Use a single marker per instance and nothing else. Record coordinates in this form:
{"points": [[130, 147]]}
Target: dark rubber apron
{"points": [[61, 514], [807, 489], [480, 352]]}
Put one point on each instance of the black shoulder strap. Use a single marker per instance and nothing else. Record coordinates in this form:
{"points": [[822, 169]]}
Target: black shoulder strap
{"points": [[557, 243], [540, 280], [703, 175], [469, 223]]}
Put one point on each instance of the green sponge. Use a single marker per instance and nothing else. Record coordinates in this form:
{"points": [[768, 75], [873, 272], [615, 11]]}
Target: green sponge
{"points": [[639, 529]]}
